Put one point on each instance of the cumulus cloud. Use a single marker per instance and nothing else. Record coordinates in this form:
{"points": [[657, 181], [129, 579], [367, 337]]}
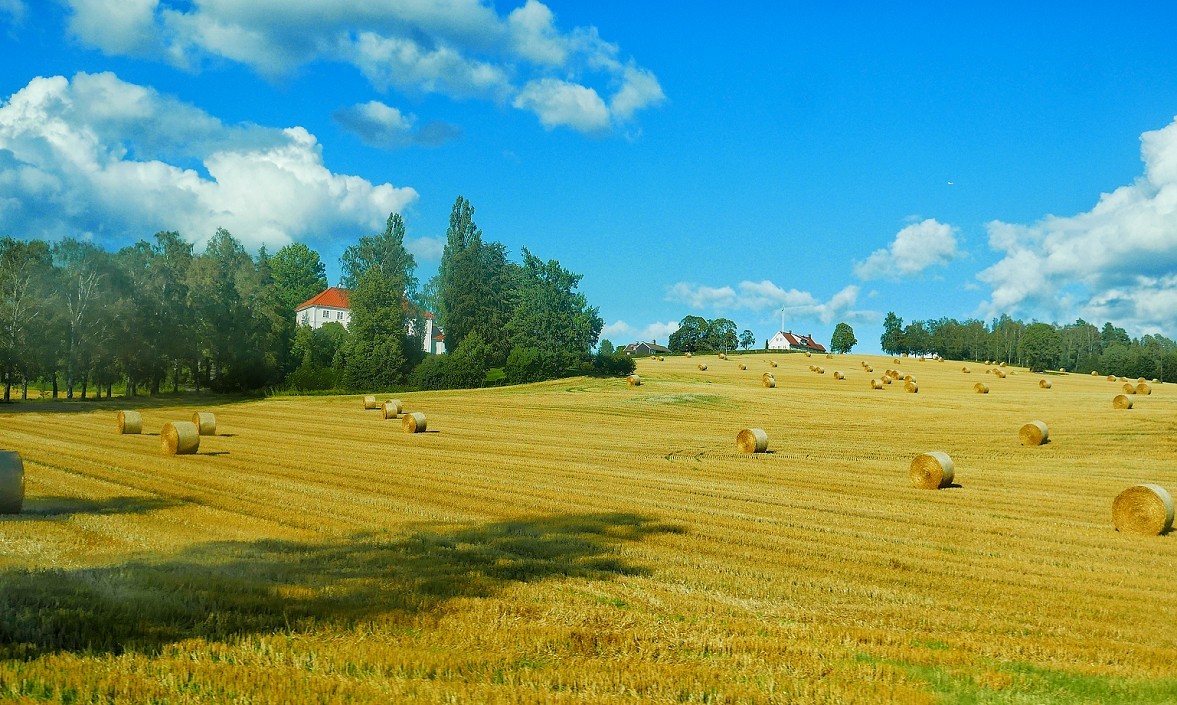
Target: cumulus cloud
{"points": [[622, 333], [459, 48], [916, 248], [427, 249], [13, 10], [767, 296], [383, 126], [96, 156], [1113, 262]]}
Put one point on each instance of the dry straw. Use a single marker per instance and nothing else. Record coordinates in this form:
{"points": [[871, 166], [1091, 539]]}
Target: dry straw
{"points": [[1111, 378], [391, 409], [876, 384], [839, 375], [413, 422], [205, 422], [722, 356], [820, 370], [869, 368], [772, 363], [1094, 373], [752, 440], [895, 374], [702, 366], [931, 471], [808, 354], [1122, 401], [1045, 383], [886, 379], [908, 378], [371, 403], [1128, 388], [1144, 389], [743, 366], [1034, 433], [998, 373], [769, 381], [179, 438], [966, 370], [634, 380], [911, 387], [661, 358], [1143, 509], [981, 388], [12, 482], [129, 422], [687, 354]]}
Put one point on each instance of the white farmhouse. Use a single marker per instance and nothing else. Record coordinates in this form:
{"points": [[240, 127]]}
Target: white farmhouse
{"points": [[331, 306], [788, 340]]}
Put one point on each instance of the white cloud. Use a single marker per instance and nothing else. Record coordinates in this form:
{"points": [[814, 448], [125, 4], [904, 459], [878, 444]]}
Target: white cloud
{"points": [[767, 296], [622, 333], [459, 48], [1113, 262], [380, 125], [16, 10], [103, 157], [426, 249], [915, 248]]}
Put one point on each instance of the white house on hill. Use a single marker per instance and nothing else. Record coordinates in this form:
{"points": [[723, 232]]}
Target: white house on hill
{"points": [[331, 306], [788, 340]]}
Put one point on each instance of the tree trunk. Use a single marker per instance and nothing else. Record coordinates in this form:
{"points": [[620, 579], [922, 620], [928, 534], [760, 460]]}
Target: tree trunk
{"points": [[55, 391], [24, 389]]}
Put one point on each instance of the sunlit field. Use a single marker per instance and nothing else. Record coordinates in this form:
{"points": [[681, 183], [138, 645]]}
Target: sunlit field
{"points": [[588, 541]]}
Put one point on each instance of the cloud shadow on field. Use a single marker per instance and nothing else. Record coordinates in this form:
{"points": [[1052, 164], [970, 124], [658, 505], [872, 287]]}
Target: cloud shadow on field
{"points": [[222, 590], [55, 507]]}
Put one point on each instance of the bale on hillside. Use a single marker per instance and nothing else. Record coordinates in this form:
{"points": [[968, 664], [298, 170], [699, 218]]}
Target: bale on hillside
{"points": [[391, 409], [661, 358], [722, 356], [808, 354], [686, 354], [743, 366], [894, 374], [129, 422], [1143, 509], [370, 402], [1143, 388], [1122, 401], [634, 381], [908, 378], [876, 384], [702, 366], [931, 471], [772, 363], [1111, 378], [1128, 388], [752, 440], [179, 438], [205, 422], [1003, 364], [869, 368], [886, 379], [1045, 383], [820, 370], [998, 373], [1062, 369], [1094, 373], [769, 381], [981, 388], [413, 422], [966, 370], [1034, 433], [839, 375], [1141, 380], [829, 356], [813, 368], [12, 482], [911, 387]]}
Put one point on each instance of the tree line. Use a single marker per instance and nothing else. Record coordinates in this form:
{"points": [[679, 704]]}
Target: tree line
{"points": [[158, 314], [1076, 347]]}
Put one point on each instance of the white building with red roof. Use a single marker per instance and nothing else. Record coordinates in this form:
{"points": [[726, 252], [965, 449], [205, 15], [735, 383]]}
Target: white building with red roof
{"points": [[331, 306], [788, 340]]}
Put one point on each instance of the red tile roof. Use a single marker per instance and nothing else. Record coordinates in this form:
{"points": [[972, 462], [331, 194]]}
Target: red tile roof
{"points": [[333, 297]]}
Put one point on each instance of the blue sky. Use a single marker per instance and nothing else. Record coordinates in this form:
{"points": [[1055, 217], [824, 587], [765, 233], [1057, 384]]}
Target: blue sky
{"points": [[686, 158]]}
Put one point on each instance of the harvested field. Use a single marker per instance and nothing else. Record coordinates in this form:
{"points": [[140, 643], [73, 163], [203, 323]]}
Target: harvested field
{"points": [[611, 544]]}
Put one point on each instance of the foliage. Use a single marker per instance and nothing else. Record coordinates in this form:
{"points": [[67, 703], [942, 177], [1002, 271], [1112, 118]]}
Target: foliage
{"points": [[721, 335], [526, 364], [385, 252], [464, 368], [298, 274], [614, 364], [747, 339], [691, 335], [843, 340], [1040, 347], [374, 353], [606, 347], [892, 338]]}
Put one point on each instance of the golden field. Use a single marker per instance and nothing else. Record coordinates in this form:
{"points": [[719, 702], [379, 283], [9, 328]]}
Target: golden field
{"points": [[588, 541]]}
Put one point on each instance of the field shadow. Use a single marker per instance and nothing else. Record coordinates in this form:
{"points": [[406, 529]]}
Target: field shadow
{"points": [[138, 403], [54, 507], [223, 590]]}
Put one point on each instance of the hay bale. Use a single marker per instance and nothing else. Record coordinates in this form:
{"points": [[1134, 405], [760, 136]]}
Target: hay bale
{"points": [[876, 384], [981, 388], [813, 368], [1144, 389], [633, 381], [391, 409], [1122, 401], [772, 363], [1034, 433], [839, 375], [895, 360], [1128, 388], [12, 482], [931, 471], [129, 422], [829, 356], [752, 440], [743, 366], [1111, 378], [1003, 364], [1045, 383], [894, 374], [869, 368], [413, 422], [702, 367], [179, 438], [1094, 373], [886, 379], [808, 354], [1141, 380], [661, 358], [370, 402], [998, 373], [911, 387], [722, 356], [966, 370], [687, 354], [820, 370], [1143, 509], [769, 382], [908, 378], [205, 422], [1062, 369]]}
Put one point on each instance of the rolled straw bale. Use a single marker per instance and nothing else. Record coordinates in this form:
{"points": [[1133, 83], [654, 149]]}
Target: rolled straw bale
{"points": [[722, 356], [1121, 379], [869, 368], [634, 381], [998, 373], [1144, 389], [813, 368], [894, 374], [808, 354], [908, 378], [931, 471], [1128, 388], [911, 387], [820, 370], [772, 363], [391, 409], [179, 438], [1034, 433], [896, 360], [205, 422], [129, 422], [743, 366], [687, 354], [829, 356], [1143, 509], [413, 422], [966, 370], [12, 482], [1094, 373], [370, 402], [1111, 378], [876, 384], [981, 388], [1139, 380], [769, 381], [839, 375], [752, 440], [661, 358], [1122, 401], [1003, 364], [886, 379], [1045, 383], [702, 367], [1062, 369]]}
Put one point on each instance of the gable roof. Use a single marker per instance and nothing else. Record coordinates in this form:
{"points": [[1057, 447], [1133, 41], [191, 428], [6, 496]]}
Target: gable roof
{"points": [[332, 297], [800, 341], [653, 347]]}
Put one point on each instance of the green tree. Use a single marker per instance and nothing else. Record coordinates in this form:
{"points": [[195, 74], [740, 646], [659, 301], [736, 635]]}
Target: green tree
{"points": [[386, 251], [83, 269], [843, 340], [25, 270], [1040, 347], [606, 347], [721, 335], [298, 274], [375, 355], [892, 338], [1110, 335], [690, 336], [747, 339]]}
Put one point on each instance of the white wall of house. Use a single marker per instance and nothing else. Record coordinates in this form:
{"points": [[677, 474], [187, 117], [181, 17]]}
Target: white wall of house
{"points": [[316, 316], [778, 342]]}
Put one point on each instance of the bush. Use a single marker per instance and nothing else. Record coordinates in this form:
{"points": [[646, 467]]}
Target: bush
{"points": [[526, 365], [617, 364], [311, 378]]}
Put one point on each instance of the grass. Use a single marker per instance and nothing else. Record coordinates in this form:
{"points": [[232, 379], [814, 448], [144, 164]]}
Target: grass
{"points": [[585, 541]]}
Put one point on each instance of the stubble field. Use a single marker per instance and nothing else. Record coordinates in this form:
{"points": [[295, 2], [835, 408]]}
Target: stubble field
{"points": [[587, 541]]}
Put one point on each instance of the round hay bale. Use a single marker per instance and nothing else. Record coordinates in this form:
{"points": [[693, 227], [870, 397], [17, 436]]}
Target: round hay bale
{"points": [[1143, 509], [894, 374], [966, 370], [1144, 389], [772, 363], [1111, 378], [634, 381], [769, 382], [886, 379], [413, 422], [839, 375], [1141, 380], [702, 367], [1094, 373], [1003, 364], [1128, 388], [370, 402], [1034, 433], [911, 387], [722, 356], [687, 354], [743, 366], [808, 354], [205, 422], [1122, 401], [661, 358], [179, 438], [895, 360], [876, 384], [998, 373], [752, 440], [129, 422], [829, 356], [908, 378], [12, 482], [1062, 369], [1045, 383], [869, 368], [820, 370], [1121, 379], [813, 368], [981, 388], [391, 409], [931, 471]]}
